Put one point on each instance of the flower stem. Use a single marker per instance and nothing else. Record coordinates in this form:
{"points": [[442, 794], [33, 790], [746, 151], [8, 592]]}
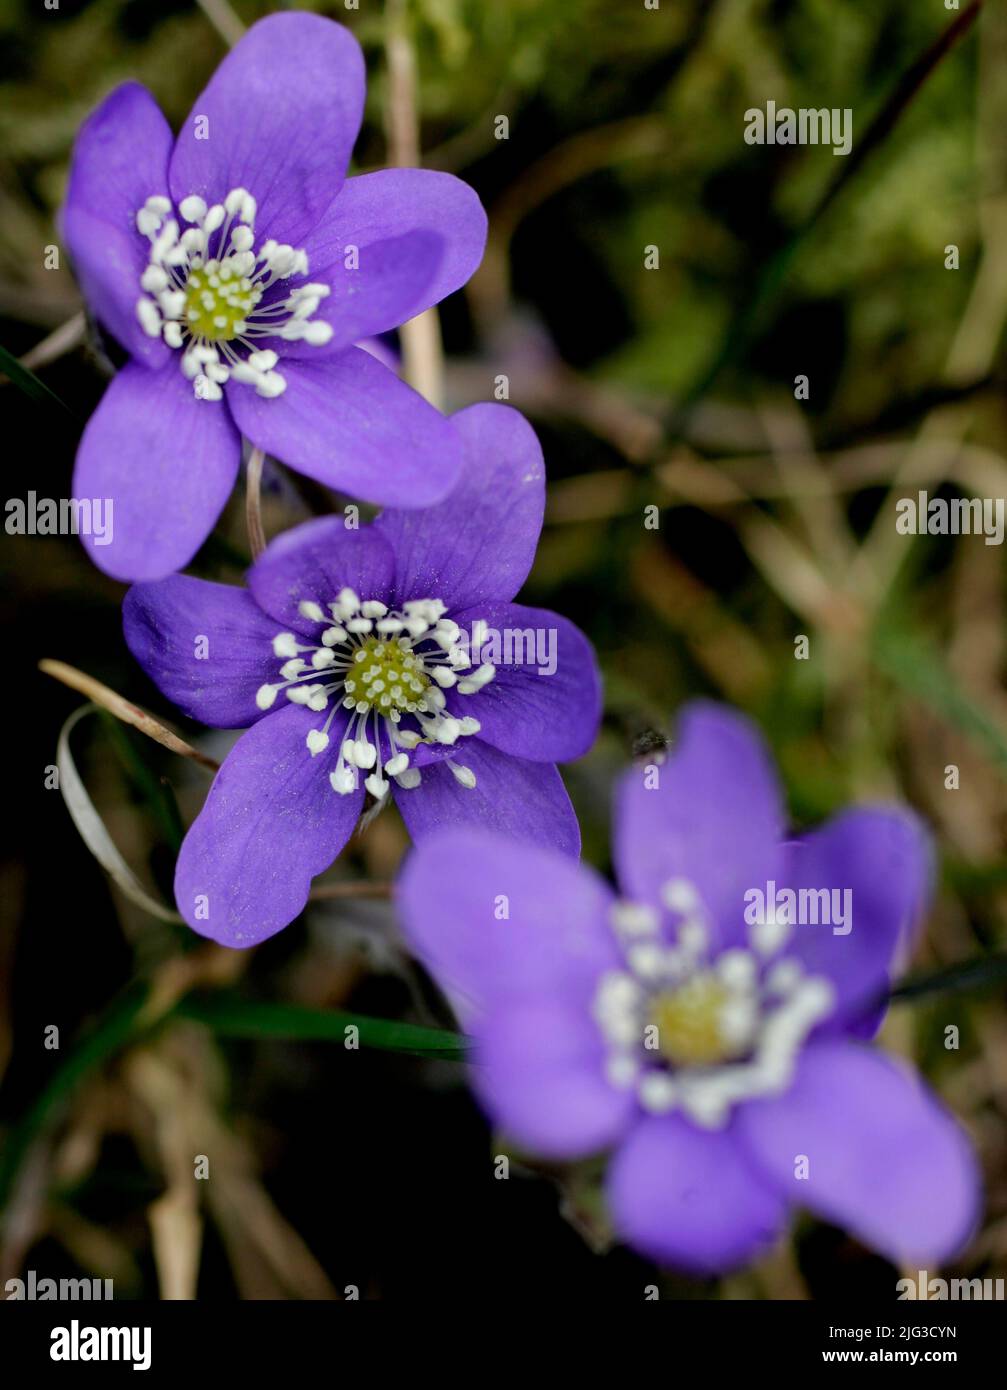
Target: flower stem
{"points": [[58, 342], [223, 19], [422, 349], [253, 504], [350, 888], [122, 709]]}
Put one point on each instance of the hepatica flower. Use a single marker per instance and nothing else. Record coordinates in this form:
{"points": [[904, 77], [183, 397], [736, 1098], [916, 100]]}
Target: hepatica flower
{"points": [[384, 661], [722, 1061], [238, 268]]}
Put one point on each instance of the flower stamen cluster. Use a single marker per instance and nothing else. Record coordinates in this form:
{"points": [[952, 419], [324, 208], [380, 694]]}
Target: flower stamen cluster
{"points": [[691, 1031], [208, 292], [390, 670]]}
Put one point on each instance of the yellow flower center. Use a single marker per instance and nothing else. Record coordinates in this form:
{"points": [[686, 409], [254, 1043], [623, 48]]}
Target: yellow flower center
{"points": [[387, 676], [690, 1023], [218, 301]]}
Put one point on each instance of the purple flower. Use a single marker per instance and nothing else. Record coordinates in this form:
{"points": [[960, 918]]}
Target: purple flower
{"points": [[708, 1027], [238, 269], [387, 660]]}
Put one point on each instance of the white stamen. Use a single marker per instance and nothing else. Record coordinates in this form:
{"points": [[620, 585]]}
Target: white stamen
{"points": [[209, 390], [761, 1019], [634, 919], [657, 1093], [692, 936], [770, 934], [193, 208], [386, 686], [150, 318], [622, 1070], [737, 969], [364, 753], [207, 284], [154, 279], [477, 679], [271, 385], [147, 222], [784, 976], [679, 895], [646, 959], [343, 781]]}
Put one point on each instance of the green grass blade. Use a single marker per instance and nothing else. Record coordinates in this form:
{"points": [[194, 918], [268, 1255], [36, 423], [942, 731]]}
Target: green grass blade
{"points": [[983, 973], [28, 382], [239, 1018], [916, 666]]}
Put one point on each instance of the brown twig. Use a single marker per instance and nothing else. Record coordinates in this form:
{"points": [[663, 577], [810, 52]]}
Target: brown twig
{"points": [[55, 344], [354, 888], [122, 709], [253, 504], [422, 349], [223, 19]]}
